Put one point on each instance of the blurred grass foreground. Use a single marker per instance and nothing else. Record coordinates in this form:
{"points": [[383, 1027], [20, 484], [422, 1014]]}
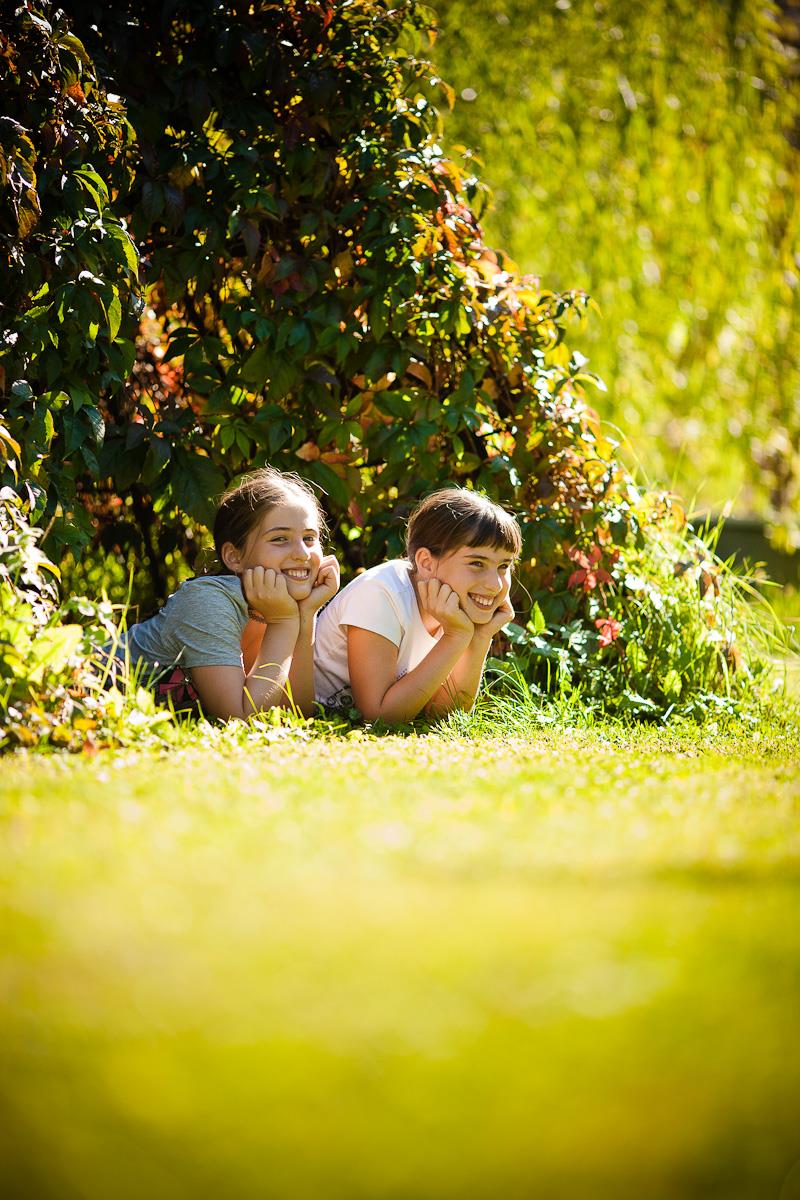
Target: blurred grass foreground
{"points": [[422, 967]]}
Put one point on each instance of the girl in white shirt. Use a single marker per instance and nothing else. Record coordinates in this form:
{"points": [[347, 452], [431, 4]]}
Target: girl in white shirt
{"points": [[412, 635]]}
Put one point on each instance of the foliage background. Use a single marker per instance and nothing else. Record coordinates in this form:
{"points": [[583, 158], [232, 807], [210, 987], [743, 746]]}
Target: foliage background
{"points": [[648, 153], [69, 269], [318, 294]]}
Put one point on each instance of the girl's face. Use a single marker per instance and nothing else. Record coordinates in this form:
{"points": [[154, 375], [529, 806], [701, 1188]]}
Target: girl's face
{"points": [[286, 539], [479, 575]]}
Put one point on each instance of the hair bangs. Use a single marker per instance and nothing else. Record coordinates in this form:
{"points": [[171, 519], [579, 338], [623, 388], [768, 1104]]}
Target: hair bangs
{"points": [[454, 517], [496, 528]]}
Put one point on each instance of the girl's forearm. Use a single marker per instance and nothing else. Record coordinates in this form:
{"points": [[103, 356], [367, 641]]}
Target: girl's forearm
{"points": [[265, 685], [301, 675], [461, 686], [252, 638], [407, 697]]}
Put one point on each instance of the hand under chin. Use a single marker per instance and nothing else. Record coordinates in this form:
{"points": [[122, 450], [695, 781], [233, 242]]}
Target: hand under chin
{"points": [[479, 616]]}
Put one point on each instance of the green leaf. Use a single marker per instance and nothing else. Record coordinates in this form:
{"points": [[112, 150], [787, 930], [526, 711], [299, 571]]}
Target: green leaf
{"points": [[180, 342], [80, 397], [52, 649], [40, 430], [329, 481], [30, 18], [400, 404], [300, 338], [28, 213], [94, 185], [378, 317], [634, 703], [159, 452], [269, 373], [97, 423], [196, 484], [537, 623], [40, 309], [257, 366], [123, 465], [114, 316], [672, 685], [68, 41], [74, 432], [637, 657], [90, 458], [125, 242], [127, 352]]}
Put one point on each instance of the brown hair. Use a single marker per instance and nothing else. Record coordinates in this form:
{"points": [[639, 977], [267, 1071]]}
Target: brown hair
{"points": [[244, 506], [455, 517]]}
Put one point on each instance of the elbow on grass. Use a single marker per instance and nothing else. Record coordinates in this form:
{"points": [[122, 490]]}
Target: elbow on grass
{"points": [[374, 713]]}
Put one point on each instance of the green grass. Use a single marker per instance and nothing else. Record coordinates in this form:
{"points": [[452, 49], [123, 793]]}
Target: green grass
{"points": [[560, 963]]}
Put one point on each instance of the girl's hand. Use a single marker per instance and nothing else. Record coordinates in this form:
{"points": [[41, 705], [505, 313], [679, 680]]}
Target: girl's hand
{"points": [[500, 617], [442, 603], [266, 593], [326, 585]]}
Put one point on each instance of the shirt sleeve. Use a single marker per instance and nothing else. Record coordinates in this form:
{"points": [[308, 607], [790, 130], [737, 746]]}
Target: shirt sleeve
{"points": [[372, 606], [207, 627]]}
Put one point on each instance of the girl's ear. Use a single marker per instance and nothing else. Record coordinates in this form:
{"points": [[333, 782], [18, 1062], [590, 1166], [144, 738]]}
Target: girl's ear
{"points": [[425, 563], [231, 557]]}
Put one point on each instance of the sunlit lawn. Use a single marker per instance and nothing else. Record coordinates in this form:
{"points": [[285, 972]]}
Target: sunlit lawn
{"points": [[409, 968]]}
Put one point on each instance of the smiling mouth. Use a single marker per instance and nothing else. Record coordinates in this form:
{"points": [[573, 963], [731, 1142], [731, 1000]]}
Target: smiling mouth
{"points": [[299, 574], [481, 602]]}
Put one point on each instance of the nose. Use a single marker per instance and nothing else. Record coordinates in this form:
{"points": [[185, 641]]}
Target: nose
{"points": [[300, 551]]}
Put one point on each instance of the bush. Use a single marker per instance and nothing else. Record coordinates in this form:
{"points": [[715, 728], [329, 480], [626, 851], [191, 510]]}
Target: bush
{"points": [[325, 298], [69, 266], [321, 297], [43, 660], [56, 689], [649, 630]]}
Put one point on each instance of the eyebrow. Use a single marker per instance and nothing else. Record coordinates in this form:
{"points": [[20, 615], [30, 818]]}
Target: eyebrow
{"points": [[288, 529], [485, 558]]}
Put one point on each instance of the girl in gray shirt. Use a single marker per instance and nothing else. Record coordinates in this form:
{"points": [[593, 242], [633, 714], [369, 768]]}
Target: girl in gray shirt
{"points": [[241, 641]]}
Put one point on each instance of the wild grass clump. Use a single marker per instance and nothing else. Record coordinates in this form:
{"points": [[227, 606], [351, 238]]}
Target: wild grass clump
{"points": [[57, 687], [515, 711], [652, 626]]}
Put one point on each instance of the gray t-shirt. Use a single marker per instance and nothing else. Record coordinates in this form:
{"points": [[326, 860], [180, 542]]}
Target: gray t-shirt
{"points": [[201, 625]]}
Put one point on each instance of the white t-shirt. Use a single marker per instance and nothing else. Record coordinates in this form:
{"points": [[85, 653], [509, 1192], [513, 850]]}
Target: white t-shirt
{"points": [[381, 600]]}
